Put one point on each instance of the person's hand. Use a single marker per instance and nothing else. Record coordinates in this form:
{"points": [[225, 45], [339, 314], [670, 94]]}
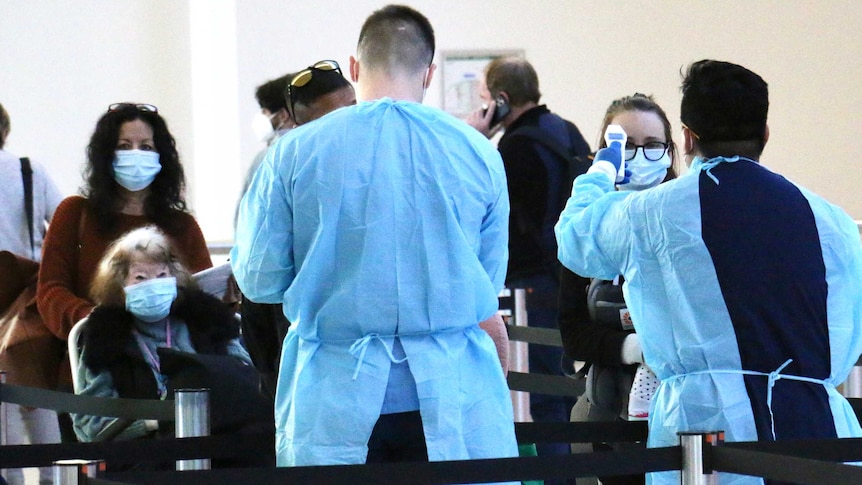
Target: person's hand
{"points": [[631, 352], [481, 120], [611, 155], [496, 329]]}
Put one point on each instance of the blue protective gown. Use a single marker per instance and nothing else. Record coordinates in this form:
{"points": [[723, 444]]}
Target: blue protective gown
{"points": [[382, 219], [731, 271]]}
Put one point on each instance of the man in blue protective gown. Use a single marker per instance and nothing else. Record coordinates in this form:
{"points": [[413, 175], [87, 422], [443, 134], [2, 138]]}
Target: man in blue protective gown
{"points": [[382, 227], [744, 288]]}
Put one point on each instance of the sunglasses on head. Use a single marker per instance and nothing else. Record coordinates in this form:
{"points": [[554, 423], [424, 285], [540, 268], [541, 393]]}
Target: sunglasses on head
{"points": [[303, 77], [138, 106]]}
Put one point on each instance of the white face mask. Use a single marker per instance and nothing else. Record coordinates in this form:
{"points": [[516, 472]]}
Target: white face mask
{"points": [[136, 169], [261, 124], [151, 300], [646, 173]]}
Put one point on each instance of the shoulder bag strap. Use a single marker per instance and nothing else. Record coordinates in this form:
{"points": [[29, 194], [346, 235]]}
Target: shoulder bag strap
{"points": [[82, 221], [27, 177]]}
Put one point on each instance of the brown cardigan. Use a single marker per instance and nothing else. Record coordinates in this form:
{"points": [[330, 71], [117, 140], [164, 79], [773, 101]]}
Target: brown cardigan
{"points": [[68, 264]]}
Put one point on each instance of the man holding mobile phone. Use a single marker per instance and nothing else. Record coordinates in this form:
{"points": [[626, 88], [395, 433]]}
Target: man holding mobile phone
{"points": [[538, 148]]}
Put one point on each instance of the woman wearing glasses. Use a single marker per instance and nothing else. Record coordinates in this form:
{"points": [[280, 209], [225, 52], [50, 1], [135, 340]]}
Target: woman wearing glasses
{"points": [[594, 323], [133, 178]]}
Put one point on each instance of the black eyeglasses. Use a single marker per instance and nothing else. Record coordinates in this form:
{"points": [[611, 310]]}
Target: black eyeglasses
{"points": [[138, 106], [653, 151], [302, 78]]}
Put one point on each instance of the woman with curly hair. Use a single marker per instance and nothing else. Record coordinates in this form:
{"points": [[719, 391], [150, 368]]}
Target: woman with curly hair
{"points": [[133, 179]]}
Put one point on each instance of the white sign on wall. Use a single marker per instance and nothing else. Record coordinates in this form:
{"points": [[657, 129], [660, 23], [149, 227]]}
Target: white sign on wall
{"points": [[462, 75]]}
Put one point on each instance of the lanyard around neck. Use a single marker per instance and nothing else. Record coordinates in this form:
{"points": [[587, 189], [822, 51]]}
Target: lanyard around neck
{"points": [[145, 350]]}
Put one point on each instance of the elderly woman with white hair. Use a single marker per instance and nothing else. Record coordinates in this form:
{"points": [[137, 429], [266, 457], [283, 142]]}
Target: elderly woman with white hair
{"points": [[146, 300]]}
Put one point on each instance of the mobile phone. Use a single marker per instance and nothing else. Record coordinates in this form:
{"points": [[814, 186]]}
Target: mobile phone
{"points": [[500, 110]]}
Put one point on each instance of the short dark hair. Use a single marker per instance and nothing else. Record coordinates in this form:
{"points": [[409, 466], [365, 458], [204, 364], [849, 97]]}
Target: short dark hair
{"points": [[725, 105], [321, 83], [514, 76], [5, 125], [102, 191], [396, 38], [270, 95]]}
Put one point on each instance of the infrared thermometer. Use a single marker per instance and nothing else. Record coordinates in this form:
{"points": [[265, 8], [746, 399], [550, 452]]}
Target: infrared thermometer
{"points": [[616, 134]]}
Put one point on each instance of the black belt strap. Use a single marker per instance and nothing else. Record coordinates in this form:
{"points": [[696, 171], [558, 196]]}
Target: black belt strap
{"points": [[541, 336], [545, 384], [139, 451], [785, 468], [434, 473], [63, 402], [582, 432], [845, 449]]}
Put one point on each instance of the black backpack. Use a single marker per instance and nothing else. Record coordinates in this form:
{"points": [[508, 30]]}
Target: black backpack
{"points": [[574, 164]]}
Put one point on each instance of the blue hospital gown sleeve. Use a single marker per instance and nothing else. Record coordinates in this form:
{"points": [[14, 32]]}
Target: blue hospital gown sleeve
{"points": [[494, 251], [262, 259], [594, 233]]}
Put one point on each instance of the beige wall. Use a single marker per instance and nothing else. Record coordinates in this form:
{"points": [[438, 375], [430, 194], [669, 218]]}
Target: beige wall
{"points": [[62, 63]]}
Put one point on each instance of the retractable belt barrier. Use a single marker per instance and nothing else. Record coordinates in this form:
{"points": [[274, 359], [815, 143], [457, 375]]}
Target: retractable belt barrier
{"points": [[160, 450], [774, 461], [803, 461], [437, 473], [541, 383], [138, 451]]}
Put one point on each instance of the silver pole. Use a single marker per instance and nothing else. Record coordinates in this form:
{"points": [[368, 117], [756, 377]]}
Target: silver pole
{"points": [[853, 384], [692, 459], [693, 449], [192, 409], [75, 472], [519, 356]]}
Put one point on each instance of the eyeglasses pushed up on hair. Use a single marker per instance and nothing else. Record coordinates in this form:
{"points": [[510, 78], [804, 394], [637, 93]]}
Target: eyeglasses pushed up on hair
{"points": [[303, 77], [653, 151], [139, 106]]}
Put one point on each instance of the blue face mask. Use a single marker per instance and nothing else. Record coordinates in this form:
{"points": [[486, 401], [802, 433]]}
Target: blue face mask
{"points": [[151, 300], [136, 169], [646, 173]]}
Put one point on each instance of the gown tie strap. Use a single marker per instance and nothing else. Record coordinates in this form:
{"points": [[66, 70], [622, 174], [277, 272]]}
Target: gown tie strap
{"points": [[360, 346], [772, 378]]}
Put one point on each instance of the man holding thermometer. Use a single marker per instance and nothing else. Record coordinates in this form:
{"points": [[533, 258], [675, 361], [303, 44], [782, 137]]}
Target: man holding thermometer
{"points": [[743, 287]]}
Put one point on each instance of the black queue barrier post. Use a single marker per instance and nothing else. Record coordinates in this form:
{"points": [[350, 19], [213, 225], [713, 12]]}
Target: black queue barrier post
{"points": [[192, 407], [76, 472], [696, 464]]}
